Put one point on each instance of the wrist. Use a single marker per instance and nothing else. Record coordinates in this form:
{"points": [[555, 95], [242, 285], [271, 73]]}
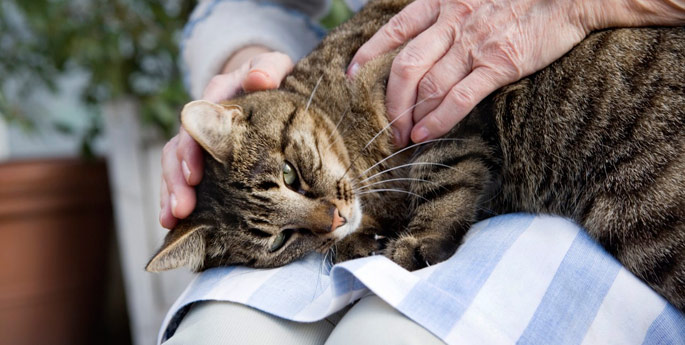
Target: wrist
{"points": [[241, 56], [602, 14]]}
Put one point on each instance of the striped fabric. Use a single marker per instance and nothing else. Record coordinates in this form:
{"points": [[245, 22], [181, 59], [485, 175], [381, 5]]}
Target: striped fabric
{"points": [[516, 279]]}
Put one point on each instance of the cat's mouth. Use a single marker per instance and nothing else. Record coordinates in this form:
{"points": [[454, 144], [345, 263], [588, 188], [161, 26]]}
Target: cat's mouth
{"points": [[353, 220]]}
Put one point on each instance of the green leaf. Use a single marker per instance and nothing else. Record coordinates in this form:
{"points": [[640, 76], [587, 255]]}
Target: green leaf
{"points": [[113, 40]]}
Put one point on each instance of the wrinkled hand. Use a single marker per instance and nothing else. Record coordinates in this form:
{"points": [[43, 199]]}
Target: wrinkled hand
{"points": [[251, 69], [461, 52]]}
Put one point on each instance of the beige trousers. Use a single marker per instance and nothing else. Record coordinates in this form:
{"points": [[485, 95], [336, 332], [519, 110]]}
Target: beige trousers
{"points": [[370, 321]]}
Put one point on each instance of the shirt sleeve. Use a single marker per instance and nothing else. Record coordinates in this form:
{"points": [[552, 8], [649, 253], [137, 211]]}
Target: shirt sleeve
{"points": [[217, 28]]}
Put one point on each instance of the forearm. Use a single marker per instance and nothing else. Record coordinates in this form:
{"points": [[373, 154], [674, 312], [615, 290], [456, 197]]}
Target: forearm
{"points": [[600, 14], [214, 33]]}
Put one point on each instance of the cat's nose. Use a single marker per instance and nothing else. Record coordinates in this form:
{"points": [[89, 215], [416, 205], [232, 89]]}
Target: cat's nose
{"points": [[338, 220]]}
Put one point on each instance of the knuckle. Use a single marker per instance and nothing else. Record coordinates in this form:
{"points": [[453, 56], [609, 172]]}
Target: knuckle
{"points": [[407, 64], [397, 28], [510, 59], [462, 97], [447, 34], [458, 10], [409, 57], [458, 14], [428, 88], [439, 124]]}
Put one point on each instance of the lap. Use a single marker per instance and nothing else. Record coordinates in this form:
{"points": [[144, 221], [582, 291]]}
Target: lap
{"points": [[370, 321], [217, 322]]}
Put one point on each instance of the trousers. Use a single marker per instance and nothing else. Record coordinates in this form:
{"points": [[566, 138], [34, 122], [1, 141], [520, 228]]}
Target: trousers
{"points": [[369, 321]]}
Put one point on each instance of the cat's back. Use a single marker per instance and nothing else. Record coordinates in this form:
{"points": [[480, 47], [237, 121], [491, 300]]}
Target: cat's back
{"points": [[607, 117]]}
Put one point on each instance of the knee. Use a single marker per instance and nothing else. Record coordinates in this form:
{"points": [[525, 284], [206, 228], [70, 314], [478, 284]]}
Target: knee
{"points": [[209, 323], [372, 321]]}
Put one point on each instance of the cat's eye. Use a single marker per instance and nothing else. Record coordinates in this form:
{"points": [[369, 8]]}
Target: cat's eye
{"points": [[289, 174], [278, 241]]}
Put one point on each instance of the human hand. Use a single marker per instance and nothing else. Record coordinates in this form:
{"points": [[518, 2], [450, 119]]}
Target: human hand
{"points": [[461, 52], [250, 69]]}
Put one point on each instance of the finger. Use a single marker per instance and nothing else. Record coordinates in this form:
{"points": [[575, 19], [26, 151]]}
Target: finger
{"points": [[409, 22], [163, 194], [166, 219], [408, 68], [181, 196], [461, 99], [267, 71], [224, 86], [439, 80], [190, 154], [169, 153]]}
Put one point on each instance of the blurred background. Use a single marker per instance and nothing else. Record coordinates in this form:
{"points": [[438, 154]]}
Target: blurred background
{"points": [[89, 92]]}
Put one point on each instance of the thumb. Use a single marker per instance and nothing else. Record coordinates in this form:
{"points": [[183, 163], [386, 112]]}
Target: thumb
{"points": [[267, 71]]}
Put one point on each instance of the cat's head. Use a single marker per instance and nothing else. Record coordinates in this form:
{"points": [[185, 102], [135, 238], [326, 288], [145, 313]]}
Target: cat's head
{"points": [[275, 186]]}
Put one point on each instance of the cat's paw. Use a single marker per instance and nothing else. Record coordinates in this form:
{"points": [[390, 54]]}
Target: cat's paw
{"points": [[414, 252], [357, 246]]}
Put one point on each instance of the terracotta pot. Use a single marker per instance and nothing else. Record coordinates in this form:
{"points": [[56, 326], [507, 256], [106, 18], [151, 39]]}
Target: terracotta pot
{"points": [[55, 221]]}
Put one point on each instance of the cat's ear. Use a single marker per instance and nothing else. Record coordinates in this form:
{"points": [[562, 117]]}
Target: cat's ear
{"points": [[210, 125], [182, 246]]}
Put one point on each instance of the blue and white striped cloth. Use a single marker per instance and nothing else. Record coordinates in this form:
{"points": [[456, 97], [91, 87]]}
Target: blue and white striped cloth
{"points": [[516, 279]]}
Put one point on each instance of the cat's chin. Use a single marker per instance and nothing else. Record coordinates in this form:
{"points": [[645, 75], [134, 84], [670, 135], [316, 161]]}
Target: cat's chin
{"points": [[353, 222]]}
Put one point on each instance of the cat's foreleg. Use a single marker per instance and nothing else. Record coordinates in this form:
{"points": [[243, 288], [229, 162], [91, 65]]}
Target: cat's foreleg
{"points": [[450, 181], [365, 241]]}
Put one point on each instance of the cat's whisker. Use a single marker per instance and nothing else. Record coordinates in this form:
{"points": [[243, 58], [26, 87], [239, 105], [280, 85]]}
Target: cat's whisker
{"points": [[488, 211], [333, 142], [397, 118], [408, 148], [309, 101], [407, 111], [331, 250], [336, 129], [407, 165], [393, 180], [322, 266], [391, 190]]}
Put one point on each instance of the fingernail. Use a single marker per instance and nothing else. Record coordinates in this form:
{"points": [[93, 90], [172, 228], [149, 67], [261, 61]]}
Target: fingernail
{"points": [[174, 203], [186, 171], [259, 71], [264, 83], [353, 69], [397, 137], [420, 134]]}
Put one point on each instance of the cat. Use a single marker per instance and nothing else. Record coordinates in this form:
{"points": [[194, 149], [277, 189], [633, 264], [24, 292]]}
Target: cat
{"points": [[598, 137]]}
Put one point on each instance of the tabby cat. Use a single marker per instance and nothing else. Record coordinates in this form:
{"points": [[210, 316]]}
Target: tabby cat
{"points": [[598, 136]]}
